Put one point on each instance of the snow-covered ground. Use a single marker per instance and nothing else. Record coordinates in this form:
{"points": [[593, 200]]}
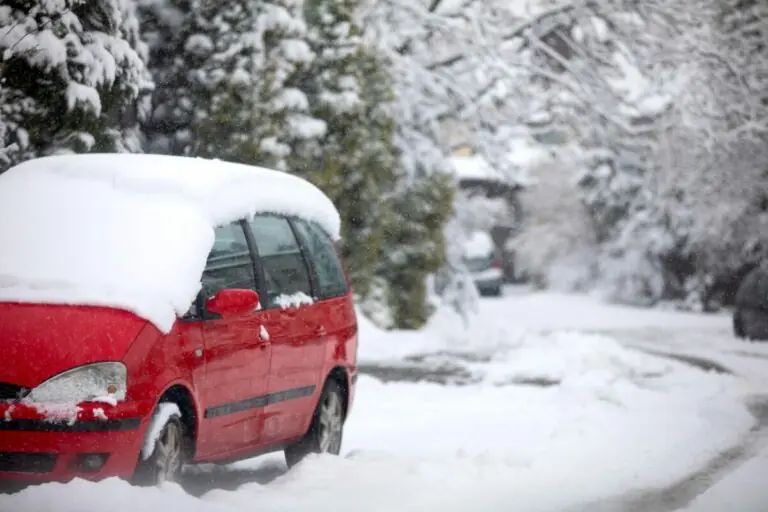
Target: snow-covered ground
{"points": [[743, 490], [557, 404]]}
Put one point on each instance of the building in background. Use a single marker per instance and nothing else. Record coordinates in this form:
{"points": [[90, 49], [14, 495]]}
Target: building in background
{"points": [[491, 200]]}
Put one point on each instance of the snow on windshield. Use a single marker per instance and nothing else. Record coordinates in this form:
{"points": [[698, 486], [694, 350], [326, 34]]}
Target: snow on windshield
{"points": [[131, 231]]}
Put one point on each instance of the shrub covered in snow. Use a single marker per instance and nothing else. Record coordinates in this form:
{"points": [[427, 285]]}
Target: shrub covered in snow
{"points": [[414, 246], [72, 77]]}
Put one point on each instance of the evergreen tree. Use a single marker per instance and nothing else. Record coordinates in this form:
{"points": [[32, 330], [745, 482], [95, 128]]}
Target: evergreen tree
{"points": [[226, 90], [225, 56], [137, 114], [71, 73], [255, 110], [163, 25], [349, 88], [414, 246]]}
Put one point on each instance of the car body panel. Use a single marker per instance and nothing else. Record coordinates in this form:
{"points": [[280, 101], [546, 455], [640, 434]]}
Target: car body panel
{"points": [[29, 334], [297, 352], [253, 382], [237, 363]]}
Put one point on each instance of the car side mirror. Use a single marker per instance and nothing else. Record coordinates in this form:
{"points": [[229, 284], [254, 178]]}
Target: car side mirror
{"points": [[233, 301]]}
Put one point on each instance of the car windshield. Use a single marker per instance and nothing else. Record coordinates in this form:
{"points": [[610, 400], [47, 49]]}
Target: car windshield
{"points": [[478, 264]]}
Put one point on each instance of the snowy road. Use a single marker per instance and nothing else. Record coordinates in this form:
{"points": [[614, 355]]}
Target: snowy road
{"points": [[557, 403]]}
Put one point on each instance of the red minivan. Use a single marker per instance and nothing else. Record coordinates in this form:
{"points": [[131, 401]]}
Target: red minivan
{"points": [[157, 311]]}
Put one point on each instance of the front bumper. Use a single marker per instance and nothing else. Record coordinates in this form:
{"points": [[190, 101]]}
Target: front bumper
{"points": [[489, 275], [91, 441]]}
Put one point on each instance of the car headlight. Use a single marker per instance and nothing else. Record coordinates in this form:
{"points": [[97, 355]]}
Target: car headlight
{"points": [[83, 384]]}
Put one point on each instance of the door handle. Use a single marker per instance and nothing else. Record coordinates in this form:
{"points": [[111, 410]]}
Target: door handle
{"points": [[263, 338]]}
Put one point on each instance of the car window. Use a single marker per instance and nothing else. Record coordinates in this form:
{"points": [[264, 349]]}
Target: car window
{"points": [[230, 264], [331, 280], [285, 271], [478, 264]]}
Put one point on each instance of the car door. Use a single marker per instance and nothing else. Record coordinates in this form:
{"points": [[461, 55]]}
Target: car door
{"points": [[333, 311], [237, 357], [291, 327]]}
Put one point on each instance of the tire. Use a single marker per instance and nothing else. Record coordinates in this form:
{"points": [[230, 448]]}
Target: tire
{"points": [[326, 430], [738, 325], [170, 454]]}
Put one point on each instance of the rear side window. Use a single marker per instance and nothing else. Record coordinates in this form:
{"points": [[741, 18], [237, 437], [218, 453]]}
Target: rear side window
{"points": [[230, 264], [330, 277], [285, 271]]}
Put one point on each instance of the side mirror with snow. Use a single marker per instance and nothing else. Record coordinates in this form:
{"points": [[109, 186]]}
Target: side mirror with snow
{"points": [[233, 302]]}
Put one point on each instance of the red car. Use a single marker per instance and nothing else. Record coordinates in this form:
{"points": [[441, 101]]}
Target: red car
{"points": [[157, 311]]}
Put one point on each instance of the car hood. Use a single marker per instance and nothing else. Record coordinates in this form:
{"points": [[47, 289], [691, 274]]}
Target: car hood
{"points": [[40, 341]]}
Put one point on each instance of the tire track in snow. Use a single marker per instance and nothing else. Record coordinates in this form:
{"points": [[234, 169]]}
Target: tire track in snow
{"points": [[668, 499], [681, 494]]}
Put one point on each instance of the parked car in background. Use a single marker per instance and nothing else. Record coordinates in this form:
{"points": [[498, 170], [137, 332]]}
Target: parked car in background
{"points": [[159, 310], [750, 316], [485, 263]]}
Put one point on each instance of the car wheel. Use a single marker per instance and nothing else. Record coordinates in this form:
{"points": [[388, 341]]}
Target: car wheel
{"points": [[738, 324], [326, 429], [168, 457]]}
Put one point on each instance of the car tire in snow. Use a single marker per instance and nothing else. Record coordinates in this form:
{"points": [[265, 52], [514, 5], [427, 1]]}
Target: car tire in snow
{"points": [[326, 429], [738, 325], [170, 453], [750, 317], [751, 324]]}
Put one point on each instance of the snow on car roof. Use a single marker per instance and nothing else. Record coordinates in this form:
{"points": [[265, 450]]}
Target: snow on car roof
{"points": [[478, 245], [476, 168], [131, 231]]}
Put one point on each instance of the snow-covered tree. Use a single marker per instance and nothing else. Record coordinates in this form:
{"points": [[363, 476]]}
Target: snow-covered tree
{"points": [[354, 162], [139, 113], [227, 71], [284, 114], [439, 72], [672, 90], [163, 25], [706, 189], [72, 77], [556, 226], [414, 246], [439, 81], [239, 73], [677, 202]]}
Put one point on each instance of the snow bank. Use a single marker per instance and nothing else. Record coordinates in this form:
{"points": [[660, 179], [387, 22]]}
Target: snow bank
{"points": [[131, 231], [548, 310], [503, 323], [597, 434], [377, 345]]}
